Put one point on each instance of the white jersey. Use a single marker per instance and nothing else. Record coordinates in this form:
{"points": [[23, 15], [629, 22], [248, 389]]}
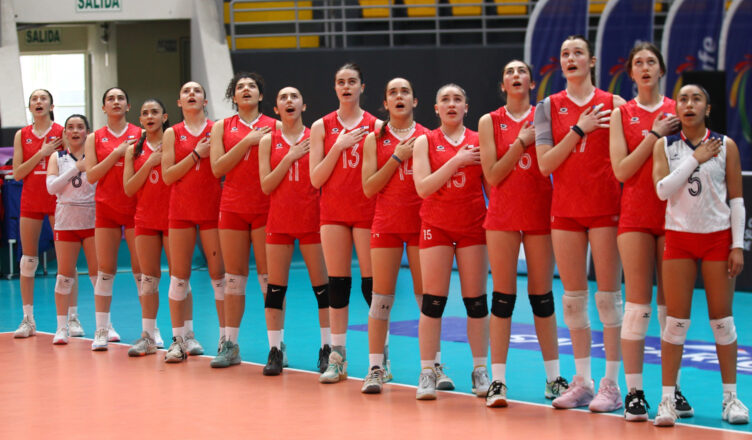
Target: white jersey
{"points": [[700, 205], [75, 208]]}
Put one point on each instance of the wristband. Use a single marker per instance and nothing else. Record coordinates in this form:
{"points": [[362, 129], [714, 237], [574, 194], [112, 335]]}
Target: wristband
{"points": [[198, 158], [578, 130], [395, 157], [655, 133]]}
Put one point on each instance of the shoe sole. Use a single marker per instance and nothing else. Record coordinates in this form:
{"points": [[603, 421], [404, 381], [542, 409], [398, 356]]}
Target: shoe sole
{"points": [[113, 339], [685, 414], [445, 386], [22, 336], [173, 360], [99, 348], [635, 417], [561, 406], [339, 378], [271, 373], [77, 335], [600, 410], [550, 396], [426, 396], [498, 403], [61, 342], [666, 422], [371, 389]]}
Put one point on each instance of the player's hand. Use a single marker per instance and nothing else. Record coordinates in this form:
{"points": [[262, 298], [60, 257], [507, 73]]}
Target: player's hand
{"points": [[665, 124], [122, 148], [404, 150], [527, 134], [255, 135], [593, 118], [735, 262], [348, 139], [49, 146], [300, 149], [202, 148], [707, 149], [468, 155]]}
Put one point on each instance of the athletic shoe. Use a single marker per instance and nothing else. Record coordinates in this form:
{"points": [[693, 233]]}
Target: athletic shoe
{"points": [[143, 346], [608, 398], [481, 382], [27, 328], [283, 349], [635, 406], [323, 362], [443, 382], [373, 381], [666, 415], [576, 395], [734, 410], [192, 346], [176, 353], [61, 336], [681, 405], [336, 370], [229, 355], [112, 335], [274, 364], [158, 341], [387, 367], [556, 388], [100, 340], [75, 329], [426, 385], [497, 395]]}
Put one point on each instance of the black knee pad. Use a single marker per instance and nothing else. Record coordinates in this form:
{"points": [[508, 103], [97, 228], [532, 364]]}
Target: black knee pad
{"points": [[542, 305], [275, 296], [433, 306], [322, 295], [366, 286], [339, 292], [476, 307], [502, 304]]}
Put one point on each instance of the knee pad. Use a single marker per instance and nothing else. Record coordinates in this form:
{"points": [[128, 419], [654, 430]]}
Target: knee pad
{"points": [[575, 309], [275, 296], [178, 289], [28, 266], [138, 277], [235, 284], [322, 295], [476, 307], [676, 330], [610, 308], [502, 304], [433, 306], [64, 285], [149, 285], [636, 321], [724, 330], [381, 306], [542, 305], [219, 289], [104, 284], [366, 286], [339, 292]]}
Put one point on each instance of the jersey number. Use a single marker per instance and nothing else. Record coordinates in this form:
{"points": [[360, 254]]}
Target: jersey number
{"points": [[694, 179], [154, 176], [525, 161], [351, 163], [583, 142], [458, 180], [405, 170], [293, 174]]}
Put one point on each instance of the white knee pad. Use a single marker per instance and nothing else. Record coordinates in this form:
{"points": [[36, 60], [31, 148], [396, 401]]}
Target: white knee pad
{"points": [[28, 266], [724, 330], [575, 309], [610, 308], [149, 285], [676, 330], [64, 285], [137, 277], [93, 279], [178, 289], [104, 284], [636, 321], [219, 289], [235, 284], [381, 306]]}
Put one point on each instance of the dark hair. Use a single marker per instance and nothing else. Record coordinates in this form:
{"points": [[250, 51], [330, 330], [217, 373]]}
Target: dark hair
{"points": [[529, 71], [104, 97], [139, 148], [707, 98], [644, 45], [351, 66], [230, 92], [590, 49], [82, 117], [52, 115], [382, 131]]}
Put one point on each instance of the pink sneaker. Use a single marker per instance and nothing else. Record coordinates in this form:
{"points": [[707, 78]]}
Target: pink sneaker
{"points": [[608, 398], [578, 394]]}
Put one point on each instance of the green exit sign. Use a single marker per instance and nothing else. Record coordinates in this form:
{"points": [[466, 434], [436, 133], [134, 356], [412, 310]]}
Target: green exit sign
{"points": [[97, 5]]}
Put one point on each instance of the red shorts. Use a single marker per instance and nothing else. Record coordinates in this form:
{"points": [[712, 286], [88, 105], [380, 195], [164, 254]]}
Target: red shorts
{"points": [[582, 224], [431, 236], [36, 215], [531, 232], [140, 230], [241, 222], [185, 224], [362, 224], [107, 217], [714, 246], [655, 232], [387, 240], [75, 236], [303, 238]]}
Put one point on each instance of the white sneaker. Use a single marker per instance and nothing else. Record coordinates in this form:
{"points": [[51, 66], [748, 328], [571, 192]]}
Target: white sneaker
{"points": [[426, 385], [100, 340], [176, 353], [666, 415], [337, 369], [158, 341], [734, 410], [608, 398], [497, 395], [443, 381], [27, 328], [112, 335], [61, 336], [192, 346], [373, 381], [481, 382], [75, 329]]}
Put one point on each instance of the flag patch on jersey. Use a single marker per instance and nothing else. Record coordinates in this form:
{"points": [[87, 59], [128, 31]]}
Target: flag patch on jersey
{"points": [[182, 137], [234, 129], [634, 120], [387, 142], [28, 141], [439, 148], [504, 126], [104, 139], [278, 146], [563, 110], [335, 130]]}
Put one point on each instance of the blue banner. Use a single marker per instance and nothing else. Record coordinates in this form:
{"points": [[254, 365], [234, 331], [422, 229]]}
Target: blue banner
{"points": [[550, 23], [690, 39], [622, 24], [736, 59]]}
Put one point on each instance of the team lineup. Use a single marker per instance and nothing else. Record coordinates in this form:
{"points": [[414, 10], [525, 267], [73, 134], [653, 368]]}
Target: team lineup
{"points": [[644, 184]]}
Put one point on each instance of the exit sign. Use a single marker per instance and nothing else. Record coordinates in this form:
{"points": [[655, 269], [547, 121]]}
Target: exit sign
{"points": [[97, 5]]}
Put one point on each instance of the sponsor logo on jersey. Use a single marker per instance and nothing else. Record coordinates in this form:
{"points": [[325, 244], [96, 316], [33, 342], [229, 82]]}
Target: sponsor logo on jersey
{"points": [[439, 148], [634, 120], [182, 137], [278, 146], [645, 133], [335, 130], [504, 126], [563, 110], [130, 137], [28, 141], [105, 139], [387, 142], [234, 129]]}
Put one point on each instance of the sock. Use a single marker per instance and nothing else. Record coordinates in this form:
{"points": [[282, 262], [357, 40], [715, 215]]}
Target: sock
{"points": [[552, 369], [28, 311], [634, 381], [480, 361], [178, 331], [612, 370], [582, 367], [499, 372], [339, 339], [72, 311], [275, 338], [149, 326], [188, 323], [326, 336], [438, 357], [375, 360], [426, 364], [668, 392], [678, 377], [282, 334], [62, 321], [223, 332], [729, 388], [386, 340], [232, 334], [102, 319]]}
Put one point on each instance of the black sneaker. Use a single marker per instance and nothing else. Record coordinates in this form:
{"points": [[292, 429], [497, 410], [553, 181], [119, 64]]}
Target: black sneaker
{"points": [[682, 406], [273, 366], [324, 353], [635, 406], [496, 397]]}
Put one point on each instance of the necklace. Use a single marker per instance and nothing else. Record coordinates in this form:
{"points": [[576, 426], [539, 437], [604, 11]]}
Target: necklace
{"points": [[453, 140], [401, 130]]}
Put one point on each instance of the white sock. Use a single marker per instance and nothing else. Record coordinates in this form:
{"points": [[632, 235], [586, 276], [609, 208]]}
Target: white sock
{"points": [[480, 361], [188, 323], [426, 364], [28, 311], [282, 333], [438, 357], [231, 333], [678, 376], [386, 340], [178, 331], [634, 381], [326, 336], [62, 321], [102, 319], [375, 360], [72, 311], [552, 369], [149, 326], [223, 332], [612, 370], [582, 367], [669, 392], [275, 338], [339, 340], [499, 372], [729, 388]]}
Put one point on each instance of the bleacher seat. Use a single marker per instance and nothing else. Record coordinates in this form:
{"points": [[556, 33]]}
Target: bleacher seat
{"points": [[371, 12], [259, 12]]}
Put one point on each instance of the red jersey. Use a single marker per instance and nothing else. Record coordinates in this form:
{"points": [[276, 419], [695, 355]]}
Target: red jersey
{"points": [[640, 206], [110, 187], [195, 197], [294, 207], [342, 197], [397, 204], [34, 195], [522, 201], [153, 199], [584, 184], [459, 203], [242, 189]]}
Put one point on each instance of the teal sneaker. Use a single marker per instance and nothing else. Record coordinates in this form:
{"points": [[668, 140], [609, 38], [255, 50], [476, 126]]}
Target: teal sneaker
{"points": [[336, 370], [228, 356]]}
